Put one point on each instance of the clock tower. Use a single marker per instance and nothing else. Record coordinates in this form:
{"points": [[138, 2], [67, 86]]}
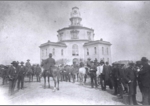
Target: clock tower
{"points": [[75, 17]]}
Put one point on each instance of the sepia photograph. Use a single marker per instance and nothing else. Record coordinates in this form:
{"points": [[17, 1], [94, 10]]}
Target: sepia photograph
{"points": [[74, 52]]}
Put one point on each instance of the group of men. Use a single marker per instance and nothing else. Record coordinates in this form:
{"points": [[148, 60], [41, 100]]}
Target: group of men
{"points": [[123, 79], [16, 73]]}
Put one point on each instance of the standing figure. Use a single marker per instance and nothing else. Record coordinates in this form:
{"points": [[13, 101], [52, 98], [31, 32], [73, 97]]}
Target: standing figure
{"points": [[12, 75], [29, 69], [95, 62], [4, 71], [38, 73], [131, 78], [115, 76], [106, 73], [145, 80], [93, 70], [21, 74]]}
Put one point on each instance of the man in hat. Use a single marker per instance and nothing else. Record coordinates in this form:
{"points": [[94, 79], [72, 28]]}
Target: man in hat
{"points": [[101, 68], [93, 70], [38, 73], [145, 80], [106, 73], [21, 74], [12, 75], [28, 64], [131, 78], [115, 76], [50, 63], [29, 70], [81, 63]]}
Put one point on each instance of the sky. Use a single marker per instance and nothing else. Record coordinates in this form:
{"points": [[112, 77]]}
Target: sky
{"points": [[25, 25]]}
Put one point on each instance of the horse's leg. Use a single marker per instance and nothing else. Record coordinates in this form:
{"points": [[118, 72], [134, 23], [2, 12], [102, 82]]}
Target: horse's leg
{"points": [[44, 81], [49, 81], [54, 79], [57, 83]]}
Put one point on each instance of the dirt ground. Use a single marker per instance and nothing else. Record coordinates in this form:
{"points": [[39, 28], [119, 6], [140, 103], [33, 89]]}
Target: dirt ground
{"points": [[69, 94]]}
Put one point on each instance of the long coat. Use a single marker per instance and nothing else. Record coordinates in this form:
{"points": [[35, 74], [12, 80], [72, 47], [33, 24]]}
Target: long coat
{"points": [[21, 71], [38, 71], [49, 63], [131, 75], [107, 72], [12, 73], [145, 75]]}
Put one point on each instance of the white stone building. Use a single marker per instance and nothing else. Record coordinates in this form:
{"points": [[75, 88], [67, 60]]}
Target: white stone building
{"points": [[76, 42]]}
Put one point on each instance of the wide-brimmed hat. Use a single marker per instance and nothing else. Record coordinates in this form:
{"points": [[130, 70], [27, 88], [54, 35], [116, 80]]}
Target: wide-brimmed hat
{"points": [[14, 62], [144, 59], [28, 60]]}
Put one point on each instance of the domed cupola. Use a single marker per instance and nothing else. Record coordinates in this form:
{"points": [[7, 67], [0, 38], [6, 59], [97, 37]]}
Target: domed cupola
{"points": [[75, 17]]}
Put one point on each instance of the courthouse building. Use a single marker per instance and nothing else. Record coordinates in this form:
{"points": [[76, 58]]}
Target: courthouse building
{"points": [[76, 42]]}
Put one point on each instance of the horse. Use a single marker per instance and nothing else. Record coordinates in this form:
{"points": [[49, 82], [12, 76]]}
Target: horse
{"points": [[83, 73], [53, 72]]}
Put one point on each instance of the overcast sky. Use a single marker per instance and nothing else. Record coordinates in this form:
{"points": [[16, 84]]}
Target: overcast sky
{"points": [[24, 25]]}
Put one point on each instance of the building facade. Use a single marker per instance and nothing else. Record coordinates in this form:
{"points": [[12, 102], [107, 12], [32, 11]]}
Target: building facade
{"points": [[76, 42]]}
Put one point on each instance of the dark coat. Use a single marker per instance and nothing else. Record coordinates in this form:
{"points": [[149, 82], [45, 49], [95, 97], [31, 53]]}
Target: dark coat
{"points": [[115, 73], [145, 75], [21, 71], [89, 63], [107, 72], [12, 73], [49, 63], [131, 75], [38, 71]]}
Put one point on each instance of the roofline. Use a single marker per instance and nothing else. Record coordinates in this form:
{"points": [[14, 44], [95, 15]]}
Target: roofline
{"points": [[75, 27], [53, 44], [100, 42], [74, 40]]}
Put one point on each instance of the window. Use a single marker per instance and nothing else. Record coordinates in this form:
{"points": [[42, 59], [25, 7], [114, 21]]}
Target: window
{"points": [[75, 50], [62, 52], [74, 34], [107, 51], [102, 50], [89, 35], [95, 50], [87, 51], [53, 51]]}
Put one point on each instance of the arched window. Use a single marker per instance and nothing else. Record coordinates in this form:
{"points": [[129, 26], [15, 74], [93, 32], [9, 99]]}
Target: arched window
{"points": [[102, 50], [53, 51], [95, 50], [62, 52], [87, 51], [75, 51]]}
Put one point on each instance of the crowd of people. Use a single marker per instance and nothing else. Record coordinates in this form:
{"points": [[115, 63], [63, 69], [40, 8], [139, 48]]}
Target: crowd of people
{"points": [[16, 72], [122, 78]]}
